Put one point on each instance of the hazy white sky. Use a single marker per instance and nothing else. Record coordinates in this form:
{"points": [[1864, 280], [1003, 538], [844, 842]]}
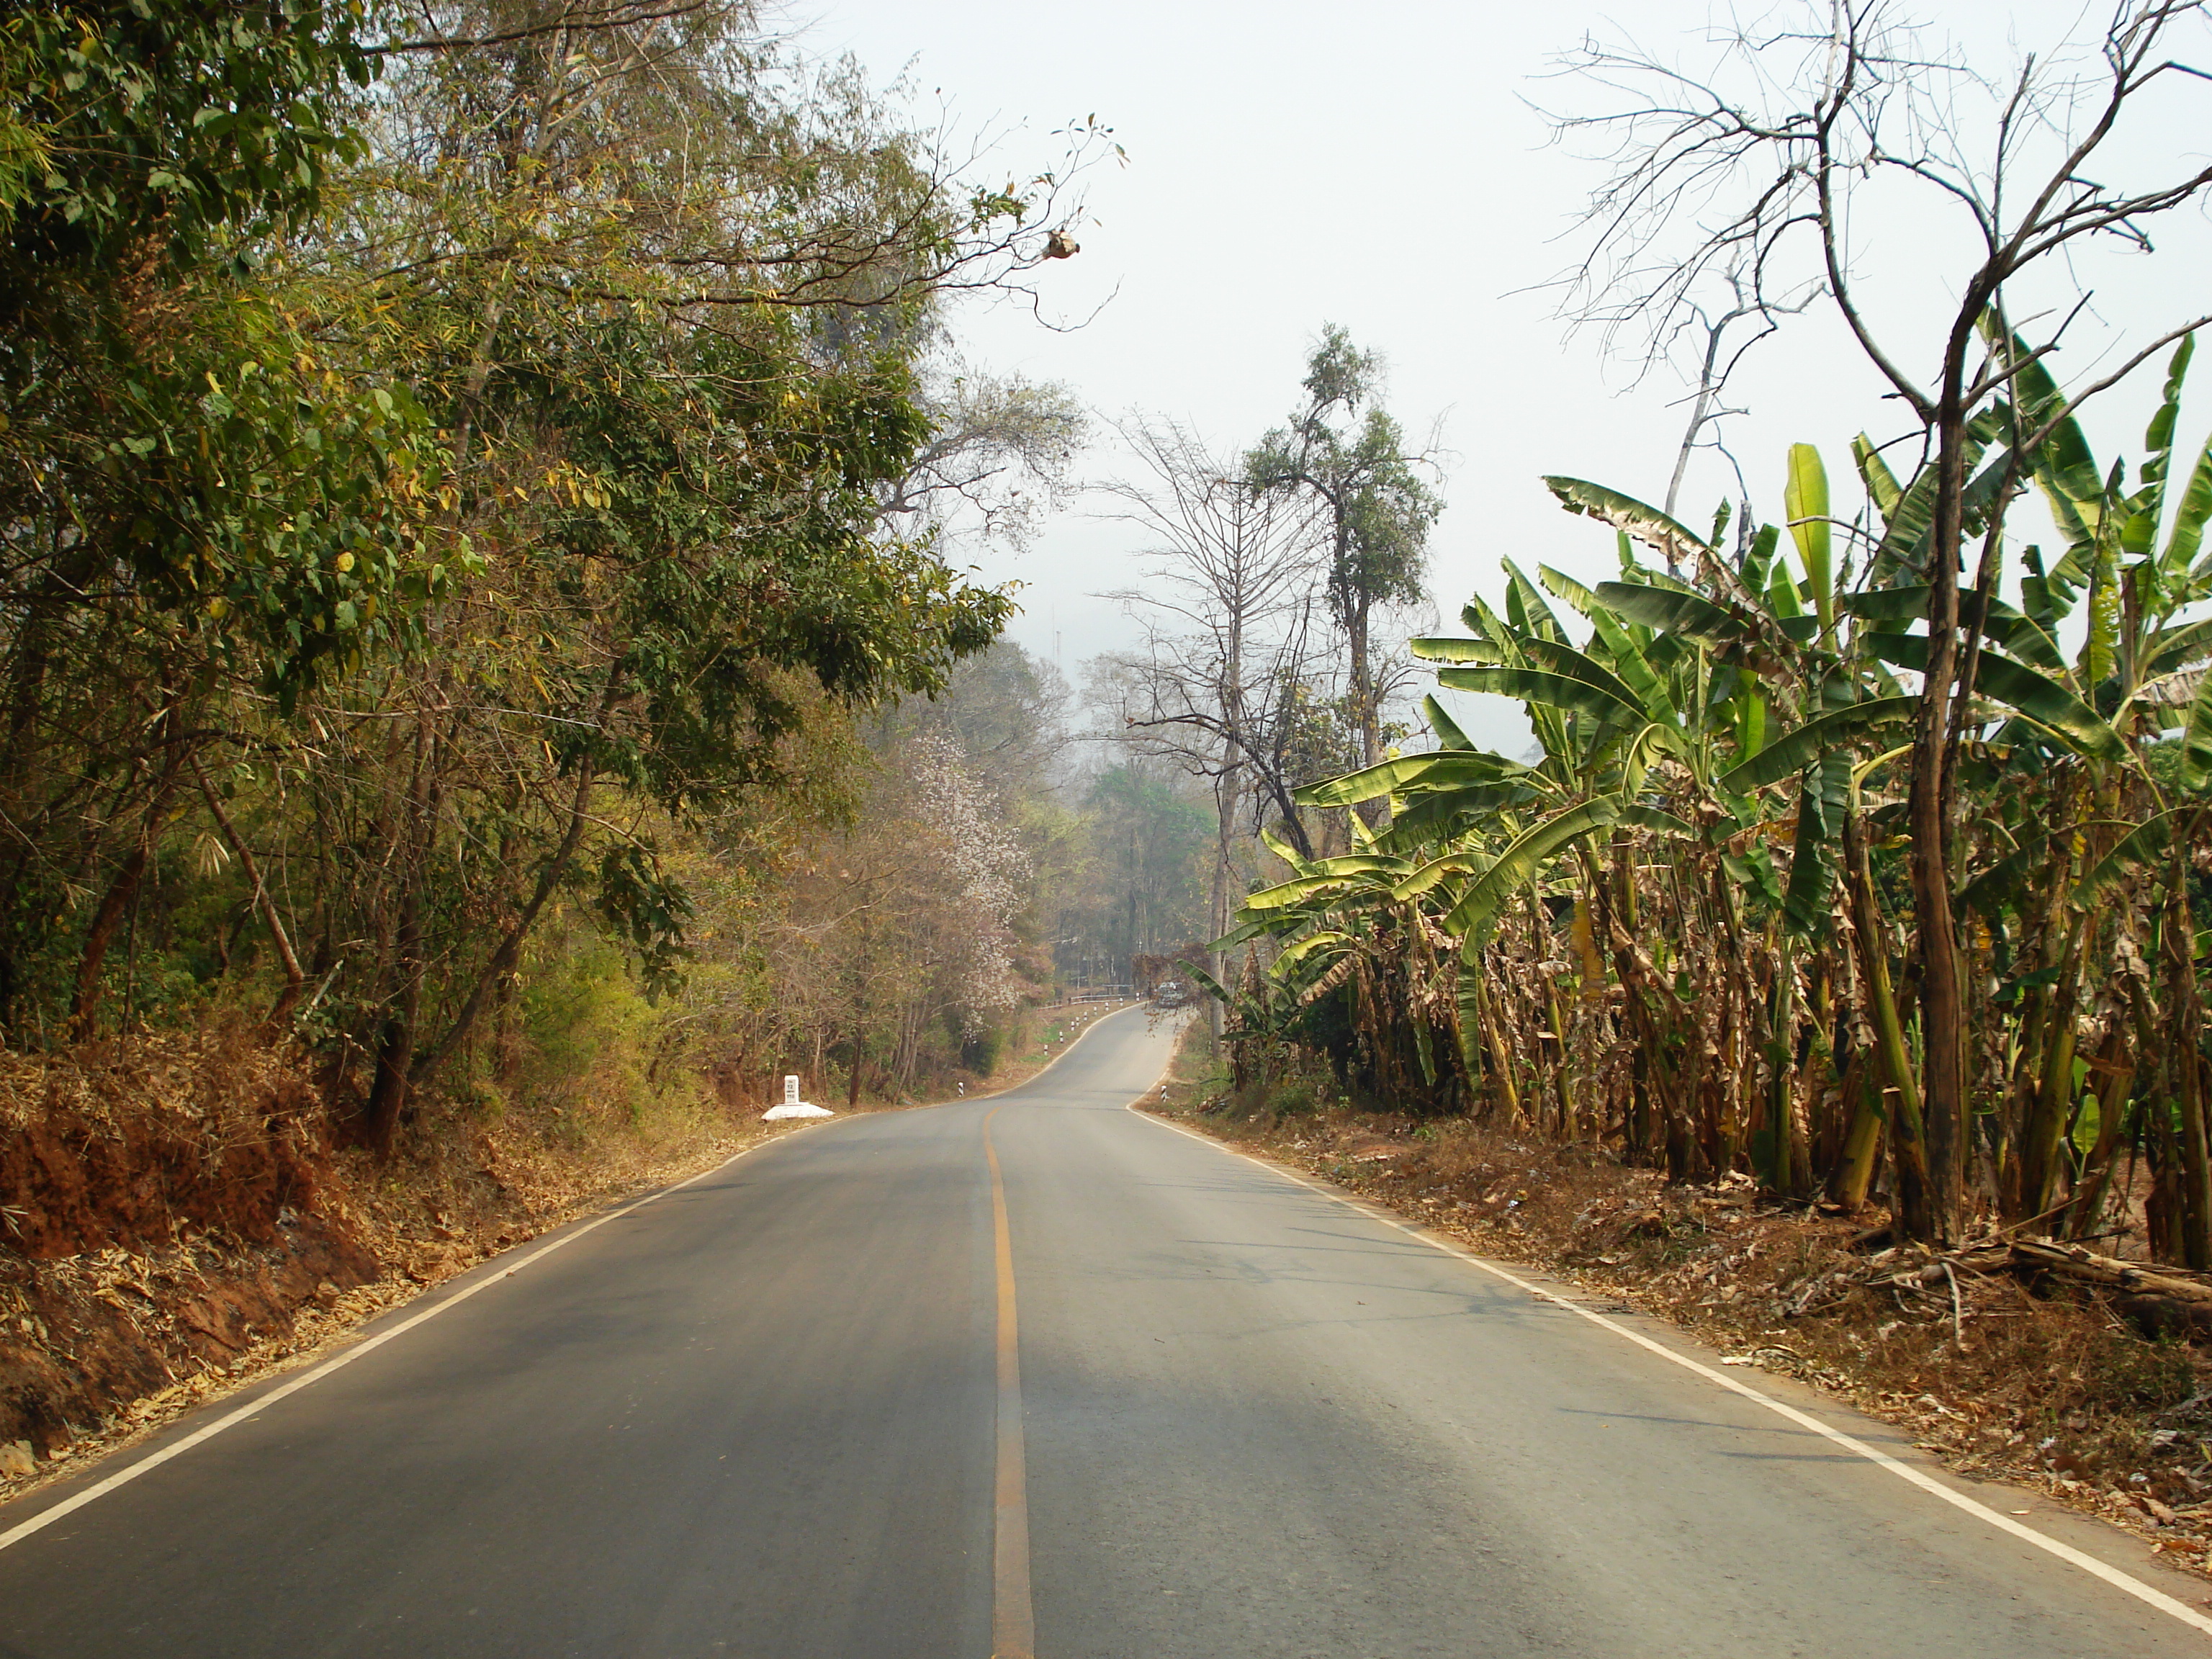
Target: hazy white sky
{"points": [[1292, 164]]}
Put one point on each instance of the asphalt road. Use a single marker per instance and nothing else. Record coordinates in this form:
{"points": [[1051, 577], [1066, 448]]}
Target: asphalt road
{"points": [[771, 1414]]}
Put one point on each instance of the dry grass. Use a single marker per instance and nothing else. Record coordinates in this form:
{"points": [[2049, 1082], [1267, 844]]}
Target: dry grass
{"points": [[2055, 1390]]}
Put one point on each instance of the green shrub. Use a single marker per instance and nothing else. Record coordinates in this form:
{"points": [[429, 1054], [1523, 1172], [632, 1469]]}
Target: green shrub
{"points": [[982, 1052]]}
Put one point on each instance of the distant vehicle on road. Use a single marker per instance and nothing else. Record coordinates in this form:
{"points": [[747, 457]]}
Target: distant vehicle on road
{"points": [[1172, 994]]}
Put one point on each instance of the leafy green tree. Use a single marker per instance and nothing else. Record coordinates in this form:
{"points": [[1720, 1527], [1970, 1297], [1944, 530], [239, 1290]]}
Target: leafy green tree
{"points": [[671, 322], [460, 507], [1346, 458], [198, 501]]}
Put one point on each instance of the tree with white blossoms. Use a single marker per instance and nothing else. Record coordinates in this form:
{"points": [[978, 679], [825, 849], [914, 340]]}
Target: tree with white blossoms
{"points": [[979, 847]]}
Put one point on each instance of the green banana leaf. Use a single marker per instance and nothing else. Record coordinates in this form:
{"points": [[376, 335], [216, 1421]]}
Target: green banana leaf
{"points": [[1322, 876], [2147, 841], [1452, 864], [1281, 848], [2041, 700], [1541, 687], [1881, 485], [1304, 946], [2140, 533], [2004, 626], [1791, 754], [1454, 648], [1471, 918], [1625, 514], [2065, 459], [1428, 818], [1824, 794], [2196, 741], [1805, 500], [1652, 818], [1563, 659], [1677, 611], [2047, 595], [1439, 767], [1634, 667], [1577, 595], [2190, 513], [1446, 728], [1525, 607], [2176, 648], [1904, 532]]}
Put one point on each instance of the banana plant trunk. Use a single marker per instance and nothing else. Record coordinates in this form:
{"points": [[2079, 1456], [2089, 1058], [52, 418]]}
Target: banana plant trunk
{"points": [[1908, 1144], [2178, 938]]}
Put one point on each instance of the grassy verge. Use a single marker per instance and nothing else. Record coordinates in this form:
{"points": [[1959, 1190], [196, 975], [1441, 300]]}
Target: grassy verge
{"points": [[2051, 1390]]}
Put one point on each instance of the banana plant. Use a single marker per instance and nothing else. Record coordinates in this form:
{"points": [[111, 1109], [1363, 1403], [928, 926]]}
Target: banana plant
{"points": [[1679, 923]]}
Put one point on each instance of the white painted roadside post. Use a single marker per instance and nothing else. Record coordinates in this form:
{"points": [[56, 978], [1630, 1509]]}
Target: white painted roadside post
{"points": [[793, 1106]]}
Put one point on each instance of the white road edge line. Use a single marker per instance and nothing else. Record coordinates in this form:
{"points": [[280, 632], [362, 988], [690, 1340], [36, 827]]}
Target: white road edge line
{"points": [[260, 1403], [2118, 1580]]}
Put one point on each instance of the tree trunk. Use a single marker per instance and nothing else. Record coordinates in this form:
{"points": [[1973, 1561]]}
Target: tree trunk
{"points": [[1501, 1057], [1942, 1027], [395, 1046], [1362, 684], [1374, 813], [1854, 1171], [2115, 1073], [123, 891], [1224, 807], [1783, 1166], [507, 956], [295, 978], [2052, 1102]]}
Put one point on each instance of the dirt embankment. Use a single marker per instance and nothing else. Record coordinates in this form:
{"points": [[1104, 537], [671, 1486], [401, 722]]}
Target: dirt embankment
{"points": [[2038, 1377], [178, 1215]]}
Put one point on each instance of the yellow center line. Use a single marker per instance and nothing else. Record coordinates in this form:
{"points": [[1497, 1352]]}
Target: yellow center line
{"points": [[1013, 1626]]}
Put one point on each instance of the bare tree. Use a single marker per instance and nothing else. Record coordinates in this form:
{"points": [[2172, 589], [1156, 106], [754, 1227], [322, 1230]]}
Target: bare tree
{"points": [[1723, 345], [1783, 167], [996, 462], [1227, 613]]}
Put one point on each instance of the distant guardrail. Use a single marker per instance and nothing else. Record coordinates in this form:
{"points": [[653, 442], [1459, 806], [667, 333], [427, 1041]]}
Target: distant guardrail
{"points": [[1098, 994]]}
